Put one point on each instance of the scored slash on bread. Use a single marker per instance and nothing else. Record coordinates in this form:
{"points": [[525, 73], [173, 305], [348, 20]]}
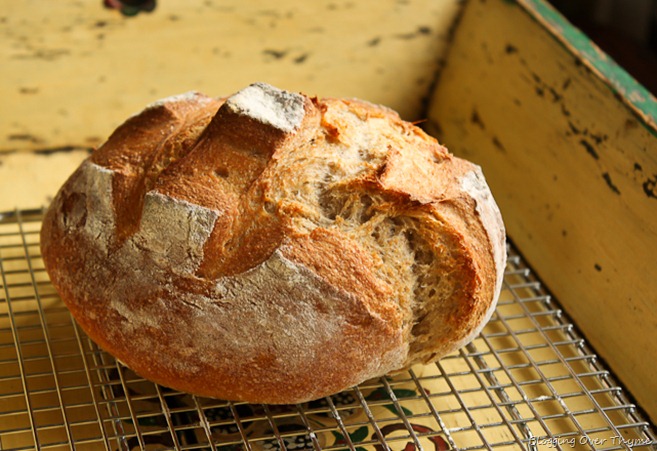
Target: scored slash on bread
{"points": [[271, 247]]}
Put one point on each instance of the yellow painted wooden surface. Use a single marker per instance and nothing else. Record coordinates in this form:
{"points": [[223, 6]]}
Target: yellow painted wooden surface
{"points": [[544, 128], [574, 171], [72, 71]]}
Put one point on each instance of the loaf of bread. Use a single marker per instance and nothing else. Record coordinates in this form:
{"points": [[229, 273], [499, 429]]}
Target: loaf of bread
{"points": [[273, 247]]}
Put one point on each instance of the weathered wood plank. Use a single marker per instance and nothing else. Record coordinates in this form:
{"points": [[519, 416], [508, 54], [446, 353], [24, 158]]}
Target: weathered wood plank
{"points": [[72, 71], [31, 179], [573, 164]]}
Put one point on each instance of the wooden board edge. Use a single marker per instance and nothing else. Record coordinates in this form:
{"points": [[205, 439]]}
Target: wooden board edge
{"points": [[626, 88]]}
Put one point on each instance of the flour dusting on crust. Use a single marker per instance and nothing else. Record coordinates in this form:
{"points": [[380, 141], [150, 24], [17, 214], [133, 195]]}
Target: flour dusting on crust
{"points": [[175, 231], [95, 183], [280, 109], [475, 185]]}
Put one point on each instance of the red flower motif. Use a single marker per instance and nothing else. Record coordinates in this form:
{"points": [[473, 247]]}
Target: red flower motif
{"points": [[438, 442]]}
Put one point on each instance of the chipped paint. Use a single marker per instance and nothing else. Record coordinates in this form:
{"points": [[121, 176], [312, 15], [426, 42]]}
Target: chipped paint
{"points": [[610, 184], [89, 60], [589, 54], [577, 181]]}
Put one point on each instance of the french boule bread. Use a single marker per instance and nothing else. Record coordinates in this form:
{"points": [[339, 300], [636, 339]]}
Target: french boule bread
{"points": [[271, 247]]}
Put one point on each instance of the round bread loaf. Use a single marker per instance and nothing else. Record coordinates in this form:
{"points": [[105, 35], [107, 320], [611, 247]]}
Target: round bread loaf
{"points": [[271, 247]]}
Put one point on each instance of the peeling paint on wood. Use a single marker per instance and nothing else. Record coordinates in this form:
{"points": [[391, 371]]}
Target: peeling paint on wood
{"points": [[629, 90], [577, 182], [75, 69]]}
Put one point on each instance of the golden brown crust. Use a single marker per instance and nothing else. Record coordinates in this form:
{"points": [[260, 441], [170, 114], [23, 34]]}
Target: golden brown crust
{"points": [[270, 247]]}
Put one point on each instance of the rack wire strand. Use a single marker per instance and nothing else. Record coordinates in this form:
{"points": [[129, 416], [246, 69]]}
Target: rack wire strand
{"points": [[528, 381]]}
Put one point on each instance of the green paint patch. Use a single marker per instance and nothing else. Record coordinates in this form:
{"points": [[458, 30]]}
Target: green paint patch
{"points": [[618, 79]]}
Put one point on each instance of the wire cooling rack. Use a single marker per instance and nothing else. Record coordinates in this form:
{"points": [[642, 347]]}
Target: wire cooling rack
{"points": [[529, 381]]}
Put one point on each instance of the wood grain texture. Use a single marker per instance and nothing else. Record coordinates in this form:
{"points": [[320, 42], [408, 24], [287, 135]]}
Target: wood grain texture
{"points": [[73, 71], [574, 170]]}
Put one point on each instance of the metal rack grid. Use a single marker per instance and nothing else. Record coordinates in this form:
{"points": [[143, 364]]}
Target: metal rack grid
{"points": [[529, 381]]}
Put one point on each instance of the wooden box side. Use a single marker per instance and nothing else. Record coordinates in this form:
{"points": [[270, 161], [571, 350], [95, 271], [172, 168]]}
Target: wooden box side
{"points": [[568, 143]]}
